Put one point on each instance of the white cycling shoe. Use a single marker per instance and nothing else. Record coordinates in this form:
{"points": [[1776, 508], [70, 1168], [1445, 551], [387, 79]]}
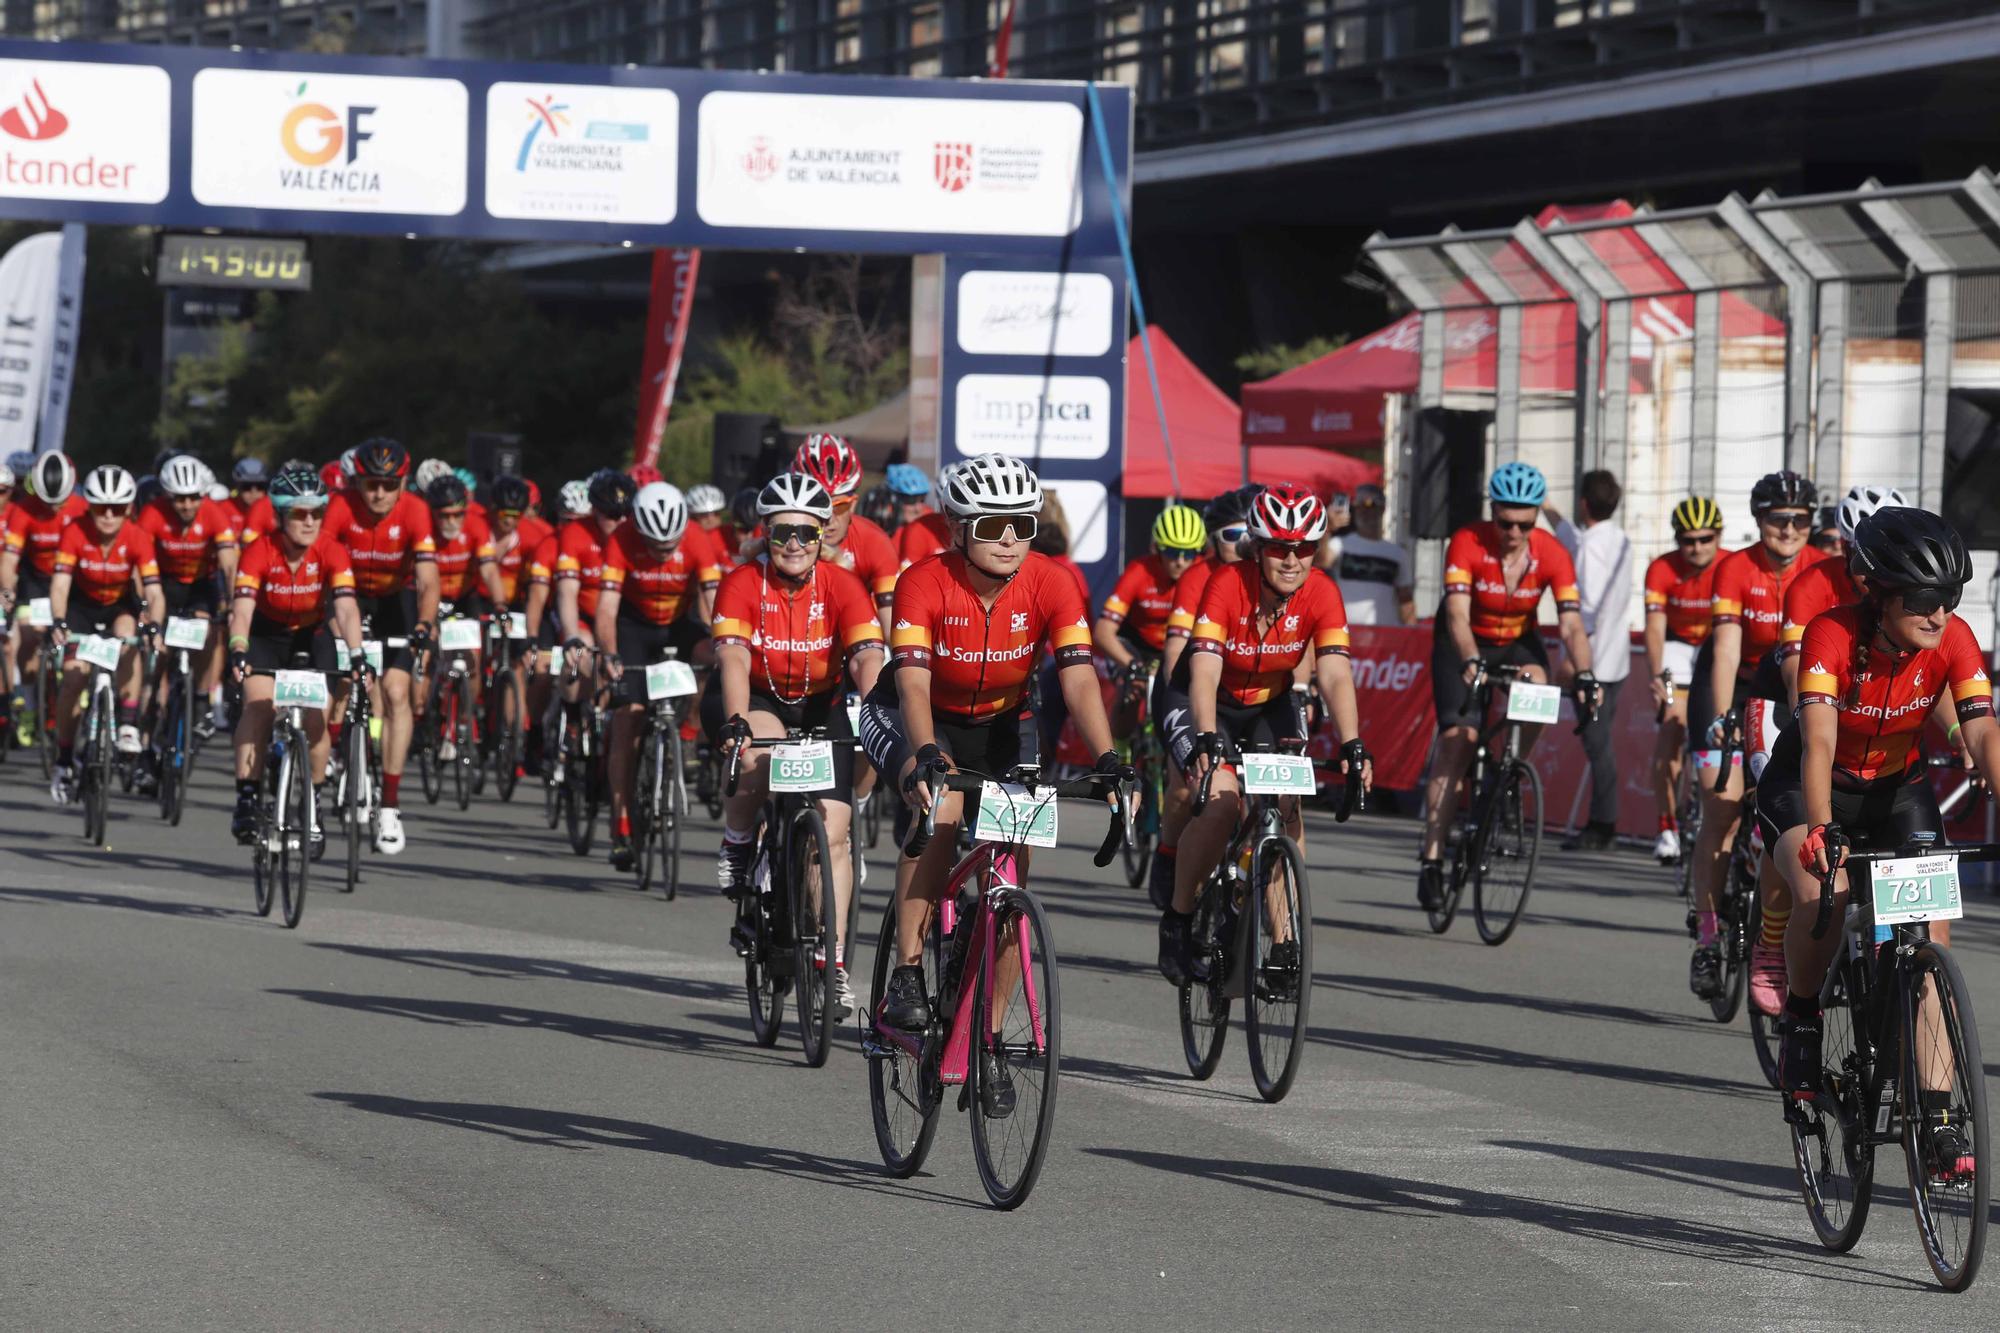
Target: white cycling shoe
{"points": [[389, 830], [128, 739], [1667, 847]]}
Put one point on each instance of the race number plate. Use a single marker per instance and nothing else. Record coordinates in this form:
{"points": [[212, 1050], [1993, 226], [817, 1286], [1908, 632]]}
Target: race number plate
{"points": [[1012, 814], [1277, 775], [38, 613], [370, 649], [807, 766], [299, 689], [186, 632], [99, 651], [517, 625], [459, 635], [669, 680], [1528, 702], [1916, 888]]}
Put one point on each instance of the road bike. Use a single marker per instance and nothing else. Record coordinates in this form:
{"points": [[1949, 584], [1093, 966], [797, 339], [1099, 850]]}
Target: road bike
{"points": [[1739, 908], [1901, 1062], [355, 776], [1262, 957], [990, 971], [98, 763], [172, 730], [573, 788], [504, 704], [1148, 760], [281, 848], [444, 737], [659, 793]]}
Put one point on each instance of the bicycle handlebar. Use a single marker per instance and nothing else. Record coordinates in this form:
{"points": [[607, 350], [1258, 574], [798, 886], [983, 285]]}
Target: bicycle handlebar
{"points": [[739, 731], [1089, 787], [1973, 851]]}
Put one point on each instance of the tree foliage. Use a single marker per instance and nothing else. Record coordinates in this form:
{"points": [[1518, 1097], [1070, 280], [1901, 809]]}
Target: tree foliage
{"points": [[1277, 358]]}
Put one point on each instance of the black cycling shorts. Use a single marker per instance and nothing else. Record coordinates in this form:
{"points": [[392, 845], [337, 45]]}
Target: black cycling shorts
{"points": [[1877, 816], [642, 641], [828, 710], [276, 647], [1262, 726], [1457, 703], [1766, 682], [189, 599], [390, 616], [88, 617], [989, 746], [30, 584]]}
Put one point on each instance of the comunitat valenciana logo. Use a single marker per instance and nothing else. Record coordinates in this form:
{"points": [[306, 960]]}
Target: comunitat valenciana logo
{"points": [[325, 143], [551, 144]]}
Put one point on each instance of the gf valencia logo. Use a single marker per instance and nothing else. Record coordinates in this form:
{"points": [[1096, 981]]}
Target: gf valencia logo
{"points": [[313, 135]]}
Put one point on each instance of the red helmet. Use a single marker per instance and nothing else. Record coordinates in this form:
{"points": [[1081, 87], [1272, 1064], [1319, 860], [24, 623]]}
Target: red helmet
{"points": [[830, 461], [534, 496], [644, 475], [332, 477], [1287, 512]]}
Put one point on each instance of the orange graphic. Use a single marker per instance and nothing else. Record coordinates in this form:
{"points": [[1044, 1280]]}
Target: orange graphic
{"points": [[326, 127]]}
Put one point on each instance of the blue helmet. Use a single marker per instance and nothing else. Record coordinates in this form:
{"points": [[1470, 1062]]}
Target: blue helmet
{"points": [[1517, 484], [907, 480]]}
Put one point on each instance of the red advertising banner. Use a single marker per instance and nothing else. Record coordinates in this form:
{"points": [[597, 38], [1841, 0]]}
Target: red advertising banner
{"points": [[666, 339]]}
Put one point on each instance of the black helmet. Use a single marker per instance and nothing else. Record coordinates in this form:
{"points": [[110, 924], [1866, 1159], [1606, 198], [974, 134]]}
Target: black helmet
{"points": [[447, 492], [1783, 490], [510, 495], [1229, 507], [611, 493], [743, 508], [381, 457], [1901, 547]]}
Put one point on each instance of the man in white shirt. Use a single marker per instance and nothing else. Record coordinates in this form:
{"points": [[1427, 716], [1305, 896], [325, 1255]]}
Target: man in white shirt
{"points": [[1603, 555], [1374, 575]]}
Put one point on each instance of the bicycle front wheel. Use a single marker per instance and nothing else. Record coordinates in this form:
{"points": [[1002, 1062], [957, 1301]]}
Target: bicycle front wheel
{"points": [[646, 810], [354, 799], [97, 778], [294, 808], [809, 884], [1018, 1041], [1204, 1005], [1735, 945], [424, 741], [507, 748], [465, 759], [1277, 966], [1763, 1026], [1510, 842], [1831, 1135], [903, 1088], [673, 813], [1138, 849], [1944, 1134]]}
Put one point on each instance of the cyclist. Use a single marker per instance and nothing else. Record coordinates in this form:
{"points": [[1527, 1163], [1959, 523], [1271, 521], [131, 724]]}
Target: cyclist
{"points": [[554, 634], [1828, 583], [968, 628], [195, 540], [1747, 613], [1679, 587], [922, 535], [250, 480], [1495, 575], [111, 562], [646, 577], [517, 532], [1850, 769], [712, 539], [286, 587], [35, 526], [790, 630], [852, 542], [1131, 628], [388, 536], [910, 490], [1259, 619], [468, 570]]}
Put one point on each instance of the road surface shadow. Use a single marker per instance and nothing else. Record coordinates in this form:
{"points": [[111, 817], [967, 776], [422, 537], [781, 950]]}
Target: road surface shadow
{"points": [[1365, 1192], [1409, 988], [1449, 1051], [153, 906], [498, 966], [1766, 1182]]}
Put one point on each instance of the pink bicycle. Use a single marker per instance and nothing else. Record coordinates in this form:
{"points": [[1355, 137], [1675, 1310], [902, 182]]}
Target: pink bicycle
{"points": [[991, 929]]}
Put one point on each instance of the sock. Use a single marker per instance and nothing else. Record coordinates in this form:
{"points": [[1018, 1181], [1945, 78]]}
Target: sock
{"points": [[840, 955], [1668, 824], [622, 828], [734, 838], [1773, 935], [1707, 929], [128, 714], [65, 754], [246, 787], [1802, 1006], [392, 788], [333, 730]]}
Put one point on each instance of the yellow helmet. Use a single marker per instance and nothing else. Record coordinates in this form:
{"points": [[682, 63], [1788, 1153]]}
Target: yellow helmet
{"points": [[1179, 528], [1697, 513]]}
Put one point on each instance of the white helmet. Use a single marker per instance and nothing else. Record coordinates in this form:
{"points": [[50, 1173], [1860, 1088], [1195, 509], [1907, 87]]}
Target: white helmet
{"points": [[990, 484], [660, 512], [53, 478], [795, 493], [218, 492], [1860, 502], [181, 475], [575, 498], [109, 485], [706, 499], [429, 471], [6, 475]]}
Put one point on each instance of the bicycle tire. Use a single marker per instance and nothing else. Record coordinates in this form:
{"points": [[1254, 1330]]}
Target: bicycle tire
{"points": [[45, 727], [765, 993], [474, 748], [675, 808], [813, 930], [1010, 1162], [904, 1094], [424, 737], [464, 757], [1735, 944], [646, 810], [1837, 1181], [1763, 1026], [1137, 851], [1510, 839], [1276, 998], [96, 774], [1204, 1005], [507, 750], [186, 748], [1440, 917], [871, 816], [1951, 1219], [579, 812], [262, 873], [294, 843], [355, 802]]}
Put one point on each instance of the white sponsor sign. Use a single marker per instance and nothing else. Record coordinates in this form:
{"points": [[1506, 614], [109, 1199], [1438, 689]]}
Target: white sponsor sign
{"points": [[1087, 506], [94, 132], [27, 334], [1034, 314], [347, 143], [581, 153], [900, 164], [1034, 416]]}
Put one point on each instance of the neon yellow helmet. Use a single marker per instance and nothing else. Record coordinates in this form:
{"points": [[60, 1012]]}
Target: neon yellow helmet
{"points": [[1697, 513], [1179, 528]]}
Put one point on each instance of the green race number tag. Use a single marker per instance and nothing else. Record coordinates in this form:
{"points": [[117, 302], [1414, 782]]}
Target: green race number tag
{"points": [[1277, 774], [1527, 702], [299, 689], [187, 632], [807, 766], [1916, 888], [370, 649], [99, 651], [1012, 814], [38, 613], [459, 635], [517, 625], [669, 680]]}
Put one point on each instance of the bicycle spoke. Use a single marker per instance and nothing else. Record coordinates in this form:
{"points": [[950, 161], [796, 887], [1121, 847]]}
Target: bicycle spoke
{"points": [[1945, 1131], [1018, 1060]]}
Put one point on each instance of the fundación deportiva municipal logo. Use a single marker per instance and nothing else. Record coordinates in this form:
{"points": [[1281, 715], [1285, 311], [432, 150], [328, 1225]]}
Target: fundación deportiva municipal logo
{"points": [[34, 118], [951, 165]]}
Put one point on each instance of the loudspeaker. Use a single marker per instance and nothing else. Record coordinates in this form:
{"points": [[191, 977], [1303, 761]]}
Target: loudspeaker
{"points": [[1972, 466], [1449, 486], [748, 449], [491, 455]]}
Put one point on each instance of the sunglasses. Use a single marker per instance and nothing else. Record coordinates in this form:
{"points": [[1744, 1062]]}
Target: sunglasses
{"points": [[449, 513], [316, 513], [1296, 550], [1235, 533], [111, 511], [252, 487], [1176, 553], [784, 534], [381, 484], [842, 503], [995, 527], [508, 513], [1694, 539], [1508, 525], [1926, 601], [1802, 522]]}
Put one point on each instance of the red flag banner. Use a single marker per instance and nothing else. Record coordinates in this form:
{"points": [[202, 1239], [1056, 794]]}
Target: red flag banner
{"points": [[666, 339]]}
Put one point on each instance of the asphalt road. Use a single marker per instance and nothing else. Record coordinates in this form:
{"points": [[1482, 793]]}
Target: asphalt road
{"points": [[499, 1089]]}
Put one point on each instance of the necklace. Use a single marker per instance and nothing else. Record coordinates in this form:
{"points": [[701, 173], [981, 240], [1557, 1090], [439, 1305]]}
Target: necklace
{"points": [[764, 572]]}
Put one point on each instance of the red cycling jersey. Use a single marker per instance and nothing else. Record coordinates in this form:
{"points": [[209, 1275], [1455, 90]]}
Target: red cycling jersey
{"points": [[1883, 704], [187, 553], [1257, 665], [1821, 588], [291, 588], [982, 661], [1750, 591], [925, 537], [515, 555], [259, 520], [650, 587], [712, 559], [1472, 568], [792, 636], [34, 530], [1142, 600], [1682, 593], [461, 558], [103, 570], [868, 553], [579, 555], [1187, 596], [387, 550]]}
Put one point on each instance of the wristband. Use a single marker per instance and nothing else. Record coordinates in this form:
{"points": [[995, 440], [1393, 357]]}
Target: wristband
{"points": [[238, 642], [1951, 732]]}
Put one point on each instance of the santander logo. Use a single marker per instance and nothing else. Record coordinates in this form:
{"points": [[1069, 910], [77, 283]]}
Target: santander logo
{"points": [[35, 118]]}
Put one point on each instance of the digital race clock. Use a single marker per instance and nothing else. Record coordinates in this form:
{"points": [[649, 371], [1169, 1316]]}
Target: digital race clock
{"points": [[235, 261]]}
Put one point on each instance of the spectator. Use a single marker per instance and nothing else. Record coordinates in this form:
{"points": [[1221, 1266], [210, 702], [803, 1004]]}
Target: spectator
{"points": [[1373, 574], [1603, 556]]}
